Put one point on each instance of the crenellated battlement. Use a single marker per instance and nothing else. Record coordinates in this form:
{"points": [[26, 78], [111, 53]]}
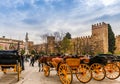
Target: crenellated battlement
{"points": [[99, 25], [83, 37]]}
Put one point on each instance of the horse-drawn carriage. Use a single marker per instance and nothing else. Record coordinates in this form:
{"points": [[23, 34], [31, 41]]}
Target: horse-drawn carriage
{"points": [[108, 64], [66, 68], [10, 61], [96, 67]]}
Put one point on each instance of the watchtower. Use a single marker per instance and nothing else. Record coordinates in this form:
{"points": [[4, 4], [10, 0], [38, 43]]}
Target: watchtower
{"points": [[100, 37], [51, 43]]}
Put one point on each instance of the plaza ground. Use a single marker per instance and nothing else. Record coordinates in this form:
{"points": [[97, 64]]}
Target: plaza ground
{"points": [[31, 75]]}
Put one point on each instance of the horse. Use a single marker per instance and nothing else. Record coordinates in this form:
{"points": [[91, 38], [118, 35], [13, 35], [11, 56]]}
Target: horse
{"points": [[44, 60], [48, 60]]}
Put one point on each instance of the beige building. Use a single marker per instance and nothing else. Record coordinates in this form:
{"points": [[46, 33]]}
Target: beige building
{"points": [[10, 44]]}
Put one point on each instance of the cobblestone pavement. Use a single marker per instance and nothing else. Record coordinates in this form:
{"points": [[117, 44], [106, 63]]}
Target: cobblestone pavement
{"points": [[31, 76]]}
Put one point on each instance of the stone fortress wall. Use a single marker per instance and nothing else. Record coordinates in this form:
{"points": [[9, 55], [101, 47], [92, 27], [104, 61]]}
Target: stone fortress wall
{"points": [[117, 44], [99, 39], [97, 42]]}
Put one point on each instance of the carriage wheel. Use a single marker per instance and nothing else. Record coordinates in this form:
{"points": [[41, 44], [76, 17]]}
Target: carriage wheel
{"points": [[98, 71], [112, 71], [84, 73], [46, 70], [118, 64], [65, 74]]}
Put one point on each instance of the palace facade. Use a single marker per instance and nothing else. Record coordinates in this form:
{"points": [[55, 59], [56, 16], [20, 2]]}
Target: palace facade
{"points": [[12, 44]]}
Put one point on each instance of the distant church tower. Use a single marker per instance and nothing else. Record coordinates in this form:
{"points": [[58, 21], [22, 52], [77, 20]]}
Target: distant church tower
{"points": [[26, 44]]}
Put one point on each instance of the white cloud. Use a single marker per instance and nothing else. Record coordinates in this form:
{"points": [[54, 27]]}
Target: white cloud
{"points": [[109, 2], [77, 20]]}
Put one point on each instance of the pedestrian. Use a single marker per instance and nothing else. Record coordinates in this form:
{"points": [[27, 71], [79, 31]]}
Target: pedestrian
{"points": [[32, 60], [22, 58], [22, 61]]}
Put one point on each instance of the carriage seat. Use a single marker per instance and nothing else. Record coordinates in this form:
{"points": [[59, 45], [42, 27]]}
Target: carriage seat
{"points": [[8, 57]]}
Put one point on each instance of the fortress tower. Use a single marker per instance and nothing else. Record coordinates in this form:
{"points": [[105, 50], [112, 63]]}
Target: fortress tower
{"points": [[100, 37], [51, 42]]}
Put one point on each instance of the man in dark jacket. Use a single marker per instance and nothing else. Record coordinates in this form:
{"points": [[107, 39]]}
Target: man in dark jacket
{"points": [[32, 60], [22, 62]]}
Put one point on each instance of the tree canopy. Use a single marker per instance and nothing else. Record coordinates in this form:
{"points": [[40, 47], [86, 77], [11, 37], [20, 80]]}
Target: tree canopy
{"points": [[65, 44], [68, 35], [111, 39]]}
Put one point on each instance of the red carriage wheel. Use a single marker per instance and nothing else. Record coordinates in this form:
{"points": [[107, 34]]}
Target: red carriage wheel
{"points": [[83, 73], [98, 72], [112, 71], [65, 74]]}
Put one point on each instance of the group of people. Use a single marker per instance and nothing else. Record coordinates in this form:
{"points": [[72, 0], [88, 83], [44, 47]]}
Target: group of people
{"points": [[24, 58]]}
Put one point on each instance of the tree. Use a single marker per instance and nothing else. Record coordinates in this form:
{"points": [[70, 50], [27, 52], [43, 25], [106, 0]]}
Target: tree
{"points": [[68, 35], [44, 39], [111, 39], [65, 44], [58, 40]]}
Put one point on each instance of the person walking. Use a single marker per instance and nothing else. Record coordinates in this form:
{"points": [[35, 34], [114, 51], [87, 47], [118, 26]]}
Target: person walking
{"points": [[22, 61], [32, 60]]}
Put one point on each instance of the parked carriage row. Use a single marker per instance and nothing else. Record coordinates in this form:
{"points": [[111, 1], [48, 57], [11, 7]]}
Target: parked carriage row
{"points": [[98, 67]]}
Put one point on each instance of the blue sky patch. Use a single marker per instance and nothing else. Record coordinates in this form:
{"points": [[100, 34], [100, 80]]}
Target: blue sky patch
{"points": [[39, 16]]}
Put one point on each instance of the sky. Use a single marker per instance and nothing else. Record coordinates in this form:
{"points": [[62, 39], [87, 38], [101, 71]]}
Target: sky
{"points": [[38, 17]]}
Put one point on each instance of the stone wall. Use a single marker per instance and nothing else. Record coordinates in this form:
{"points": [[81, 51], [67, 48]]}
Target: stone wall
{"points": [[96, 43], [51, 44], [117, 44]]}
